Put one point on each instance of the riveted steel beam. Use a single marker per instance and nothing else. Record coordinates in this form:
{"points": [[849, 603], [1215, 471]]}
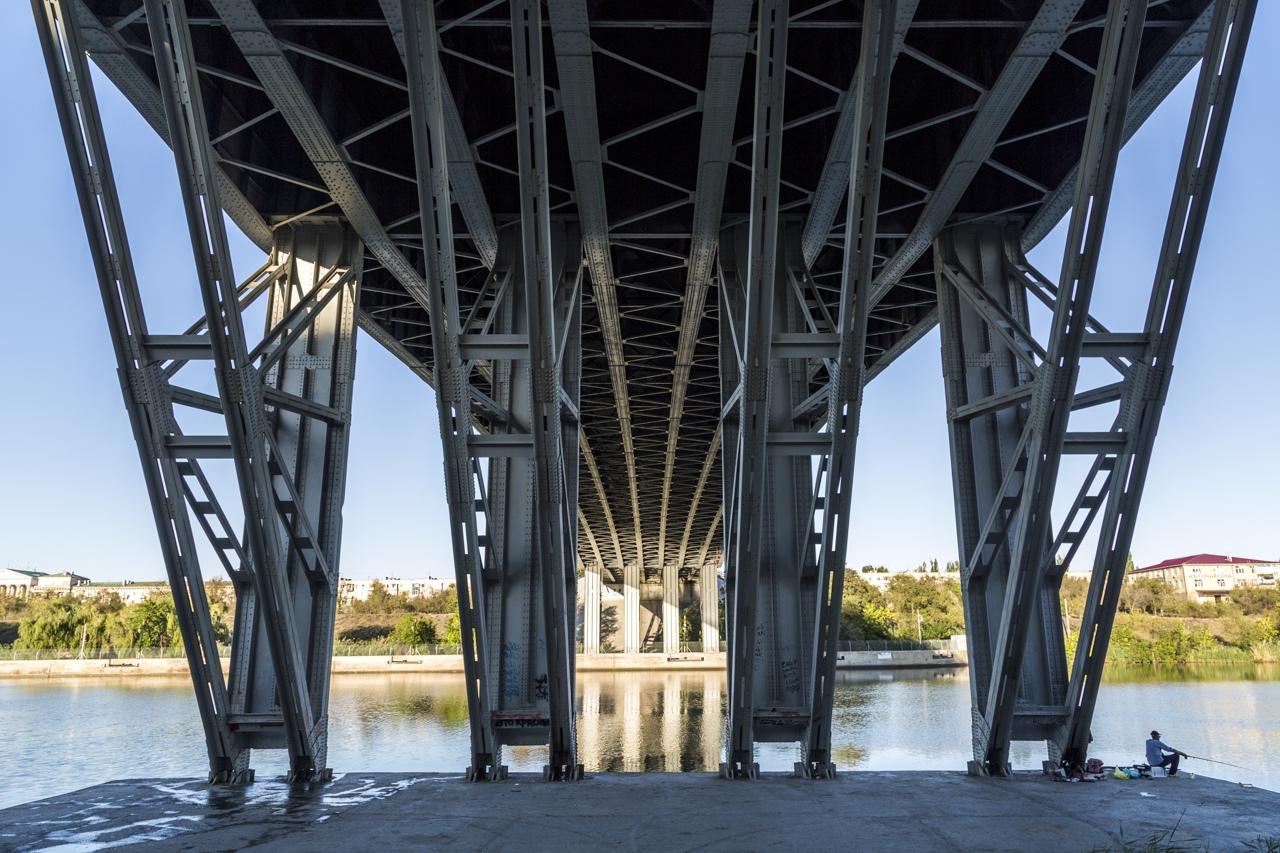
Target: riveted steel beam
{"points": [[834, 481], [833, 183], [108, 51], [427, 110], [149, 406], [1172, 68], [761, 268], [730, 22], [571, 35], [259, 469], [1029, 479], [556, 564], [1148, 385], [465, 189]]}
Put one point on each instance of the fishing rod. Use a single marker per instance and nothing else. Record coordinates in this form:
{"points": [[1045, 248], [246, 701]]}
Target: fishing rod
{"points": [[1216, 761]]}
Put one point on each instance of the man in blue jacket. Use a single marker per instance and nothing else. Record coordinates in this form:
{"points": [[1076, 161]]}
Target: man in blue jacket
{"points": [[1156, 756]]}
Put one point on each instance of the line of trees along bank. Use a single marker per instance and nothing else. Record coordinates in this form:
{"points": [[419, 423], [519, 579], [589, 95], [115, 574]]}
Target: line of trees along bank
{"points": [[1154, 623], [105, 622]]}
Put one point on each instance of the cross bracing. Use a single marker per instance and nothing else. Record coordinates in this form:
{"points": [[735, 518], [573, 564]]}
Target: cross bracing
{"points": [[647, 154]]}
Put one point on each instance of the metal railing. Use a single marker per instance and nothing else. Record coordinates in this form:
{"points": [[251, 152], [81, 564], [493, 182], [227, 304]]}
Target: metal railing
{"points": [[379, 649], [698, 647], [900, 645], [391, 650], [171, 652], [107, 654]]}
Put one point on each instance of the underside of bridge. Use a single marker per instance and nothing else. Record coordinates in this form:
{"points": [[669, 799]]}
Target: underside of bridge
{"points": [[648, 254]]}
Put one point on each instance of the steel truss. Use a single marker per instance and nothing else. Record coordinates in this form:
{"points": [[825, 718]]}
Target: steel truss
{"points": [[285, 402], [1010, 399], [788, 478]]}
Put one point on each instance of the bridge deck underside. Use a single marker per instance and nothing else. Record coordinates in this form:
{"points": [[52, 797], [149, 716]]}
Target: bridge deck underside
{"points": [[650, 64]]}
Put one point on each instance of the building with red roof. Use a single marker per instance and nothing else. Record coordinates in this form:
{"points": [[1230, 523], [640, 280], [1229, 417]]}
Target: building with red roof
{"points": [[1208, 577]]}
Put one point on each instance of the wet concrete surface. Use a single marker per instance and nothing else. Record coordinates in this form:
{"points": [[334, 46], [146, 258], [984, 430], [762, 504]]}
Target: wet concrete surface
{"points": [[661, 812]]}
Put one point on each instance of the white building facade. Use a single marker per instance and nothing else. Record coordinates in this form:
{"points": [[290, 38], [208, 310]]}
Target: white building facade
{"points": [[1207, 577], [20, 583], [359, 589]]}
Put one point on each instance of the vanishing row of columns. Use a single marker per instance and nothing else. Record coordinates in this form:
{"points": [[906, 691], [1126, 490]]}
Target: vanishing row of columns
{"points": [[665, 611]]}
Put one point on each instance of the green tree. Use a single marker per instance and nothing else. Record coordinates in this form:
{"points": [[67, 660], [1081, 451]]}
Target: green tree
{"points": [[1149, 595], [381, 601], [930, 607], [152, 624], [453, 631], [66, 623], [438, 601], [691, 623], [413, 630], [1257, 600], [863, 614]]}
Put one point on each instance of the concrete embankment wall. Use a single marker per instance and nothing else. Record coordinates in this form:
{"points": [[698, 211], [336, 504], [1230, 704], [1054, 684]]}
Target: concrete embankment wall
{"points": [[901, 659], [139, 667]]}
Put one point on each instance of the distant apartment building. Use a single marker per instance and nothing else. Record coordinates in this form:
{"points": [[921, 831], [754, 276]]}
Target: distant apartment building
{"points": [[358, 590], [130, 592], [880, 580], [1206, 577], [20, 583]]}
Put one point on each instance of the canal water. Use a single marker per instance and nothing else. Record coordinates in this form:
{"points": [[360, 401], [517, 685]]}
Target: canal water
{"points": [[59, 735]]}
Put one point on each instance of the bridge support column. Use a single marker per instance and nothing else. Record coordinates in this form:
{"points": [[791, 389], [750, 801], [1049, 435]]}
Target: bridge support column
{"points": [[709, 605], [591, 597], [789, 481], [671, 610], [1150, 369], [1011, 399], [285, 403], [314, 303], [978, 364], [631, 608], [754, 266], [148, 396], [509, 459]]}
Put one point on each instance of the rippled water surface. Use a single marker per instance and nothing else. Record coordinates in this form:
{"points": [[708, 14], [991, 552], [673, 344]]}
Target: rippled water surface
{"points": [[60, 735]]}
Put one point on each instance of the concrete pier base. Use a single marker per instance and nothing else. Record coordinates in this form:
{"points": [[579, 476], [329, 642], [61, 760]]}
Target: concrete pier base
{"points": [[666, 812]]}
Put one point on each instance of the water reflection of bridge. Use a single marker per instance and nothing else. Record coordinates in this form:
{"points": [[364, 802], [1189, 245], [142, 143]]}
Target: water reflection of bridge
{"points": [[681, 713]]}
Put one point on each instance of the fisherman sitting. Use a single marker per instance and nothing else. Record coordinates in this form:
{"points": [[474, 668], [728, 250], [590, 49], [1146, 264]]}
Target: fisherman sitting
{"points": [[1156, 756]]}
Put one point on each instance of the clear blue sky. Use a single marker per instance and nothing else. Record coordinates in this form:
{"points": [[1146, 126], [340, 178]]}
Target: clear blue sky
{"points": [[72, 496]]}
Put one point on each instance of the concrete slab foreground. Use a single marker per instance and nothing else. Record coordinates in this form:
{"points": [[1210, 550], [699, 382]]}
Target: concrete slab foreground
{"points": [[662, 812]]}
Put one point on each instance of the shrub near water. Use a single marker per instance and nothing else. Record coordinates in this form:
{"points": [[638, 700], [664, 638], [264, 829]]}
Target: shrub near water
{"points": [[413, 631], [910, 608], [1155, 625]]}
